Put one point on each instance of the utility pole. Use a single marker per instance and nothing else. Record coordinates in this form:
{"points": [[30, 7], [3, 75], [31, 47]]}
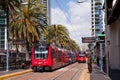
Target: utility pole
{"points": [[101, 44], [7, 43], [101, 57], [101, 40]]}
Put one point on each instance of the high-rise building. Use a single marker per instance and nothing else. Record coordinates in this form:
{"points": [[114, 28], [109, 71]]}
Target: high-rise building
{"points": [[97, 17], [47, 14], [97, 30], [3, 28]]}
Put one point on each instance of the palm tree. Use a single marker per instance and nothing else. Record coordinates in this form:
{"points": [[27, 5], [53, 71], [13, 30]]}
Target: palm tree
{"points": [[25, 25], [60, 35], [63, 40], [9, 6], [56, 34], [73, 45]]}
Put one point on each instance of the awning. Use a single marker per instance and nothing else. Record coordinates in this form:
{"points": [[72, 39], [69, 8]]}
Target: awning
{"points": [[115, 13]]}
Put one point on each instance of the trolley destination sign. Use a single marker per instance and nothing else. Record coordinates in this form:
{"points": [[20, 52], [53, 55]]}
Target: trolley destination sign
{"points": [[88, 39]]}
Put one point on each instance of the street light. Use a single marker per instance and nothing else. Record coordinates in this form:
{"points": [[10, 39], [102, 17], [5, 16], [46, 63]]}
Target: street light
{"points": [[81, 1]]}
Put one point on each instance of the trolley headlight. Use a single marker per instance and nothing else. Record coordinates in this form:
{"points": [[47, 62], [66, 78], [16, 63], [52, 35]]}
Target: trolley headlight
{"points": [[45, 62], [39, 62]]}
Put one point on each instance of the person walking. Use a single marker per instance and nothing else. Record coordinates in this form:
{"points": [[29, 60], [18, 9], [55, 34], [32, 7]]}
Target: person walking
{"points": [[89, 62]]}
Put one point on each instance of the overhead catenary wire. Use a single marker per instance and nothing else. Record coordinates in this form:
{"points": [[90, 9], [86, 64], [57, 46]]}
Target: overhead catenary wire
{"points": [[65, 15], [63, 12]]}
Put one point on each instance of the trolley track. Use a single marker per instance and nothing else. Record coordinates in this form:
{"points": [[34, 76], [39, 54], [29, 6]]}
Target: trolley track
{"points": [[75, 70], [62, 73], [72, 72]]}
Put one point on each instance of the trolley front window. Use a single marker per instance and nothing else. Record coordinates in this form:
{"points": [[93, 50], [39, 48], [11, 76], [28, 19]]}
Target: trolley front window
{"points": [[41, 52], [81, 55]]}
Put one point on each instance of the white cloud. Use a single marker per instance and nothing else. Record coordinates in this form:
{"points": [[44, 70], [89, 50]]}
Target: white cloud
{"points": [[58, 16], [80, 17]]}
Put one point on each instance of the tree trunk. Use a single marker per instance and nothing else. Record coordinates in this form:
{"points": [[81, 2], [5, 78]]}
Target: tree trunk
{"points": [[28, 58], [17, 56]]}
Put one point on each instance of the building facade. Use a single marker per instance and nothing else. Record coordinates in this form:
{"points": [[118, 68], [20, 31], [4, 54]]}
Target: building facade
{"points": [[3, 27], [47, 17], [96, 17], [97, 25], [113, 33]]}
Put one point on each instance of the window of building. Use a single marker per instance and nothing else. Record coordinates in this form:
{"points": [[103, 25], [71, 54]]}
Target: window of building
{"points": [[2, 37], [3, 21]]}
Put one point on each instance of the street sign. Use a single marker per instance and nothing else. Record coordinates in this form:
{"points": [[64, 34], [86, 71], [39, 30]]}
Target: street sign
{"points": [[88, 39], [101, 41], [101, 38], [18, 42], [100, 34]]}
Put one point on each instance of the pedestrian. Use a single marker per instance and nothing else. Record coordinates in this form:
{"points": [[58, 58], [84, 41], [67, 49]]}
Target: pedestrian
{"points": [[89, 62], [23, 65]]}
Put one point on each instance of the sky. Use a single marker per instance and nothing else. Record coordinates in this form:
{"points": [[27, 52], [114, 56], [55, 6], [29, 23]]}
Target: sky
{"points": [[75, 16]]}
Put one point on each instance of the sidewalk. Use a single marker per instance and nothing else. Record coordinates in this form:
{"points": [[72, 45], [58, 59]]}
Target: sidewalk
{"points": [[96, 74], [10, 71], [8, 74]]}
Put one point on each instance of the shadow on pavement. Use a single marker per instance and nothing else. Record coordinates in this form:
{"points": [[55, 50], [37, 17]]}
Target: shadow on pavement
{"points": [[115, 74]]}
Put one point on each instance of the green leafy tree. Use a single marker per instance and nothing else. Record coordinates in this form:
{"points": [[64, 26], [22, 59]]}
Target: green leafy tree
{"points": [[9, 6], [73, 45], [25, 25], [56, 34], [59, 34]]}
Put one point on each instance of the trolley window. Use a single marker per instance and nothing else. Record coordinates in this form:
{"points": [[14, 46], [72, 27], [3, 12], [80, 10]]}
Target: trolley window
{"points": [[81, 55], [41, 52]]}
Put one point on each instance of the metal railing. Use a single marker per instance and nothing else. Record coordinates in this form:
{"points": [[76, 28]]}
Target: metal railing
{"points": [[15, 65]]}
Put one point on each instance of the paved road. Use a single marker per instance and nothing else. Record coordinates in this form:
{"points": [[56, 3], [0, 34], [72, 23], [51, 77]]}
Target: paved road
{"points": [[71, 72]]}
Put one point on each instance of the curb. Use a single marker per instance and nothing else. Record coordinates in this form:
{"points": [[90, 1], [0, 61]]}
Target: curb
{"points": [[14, 74], [85, 75]]}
